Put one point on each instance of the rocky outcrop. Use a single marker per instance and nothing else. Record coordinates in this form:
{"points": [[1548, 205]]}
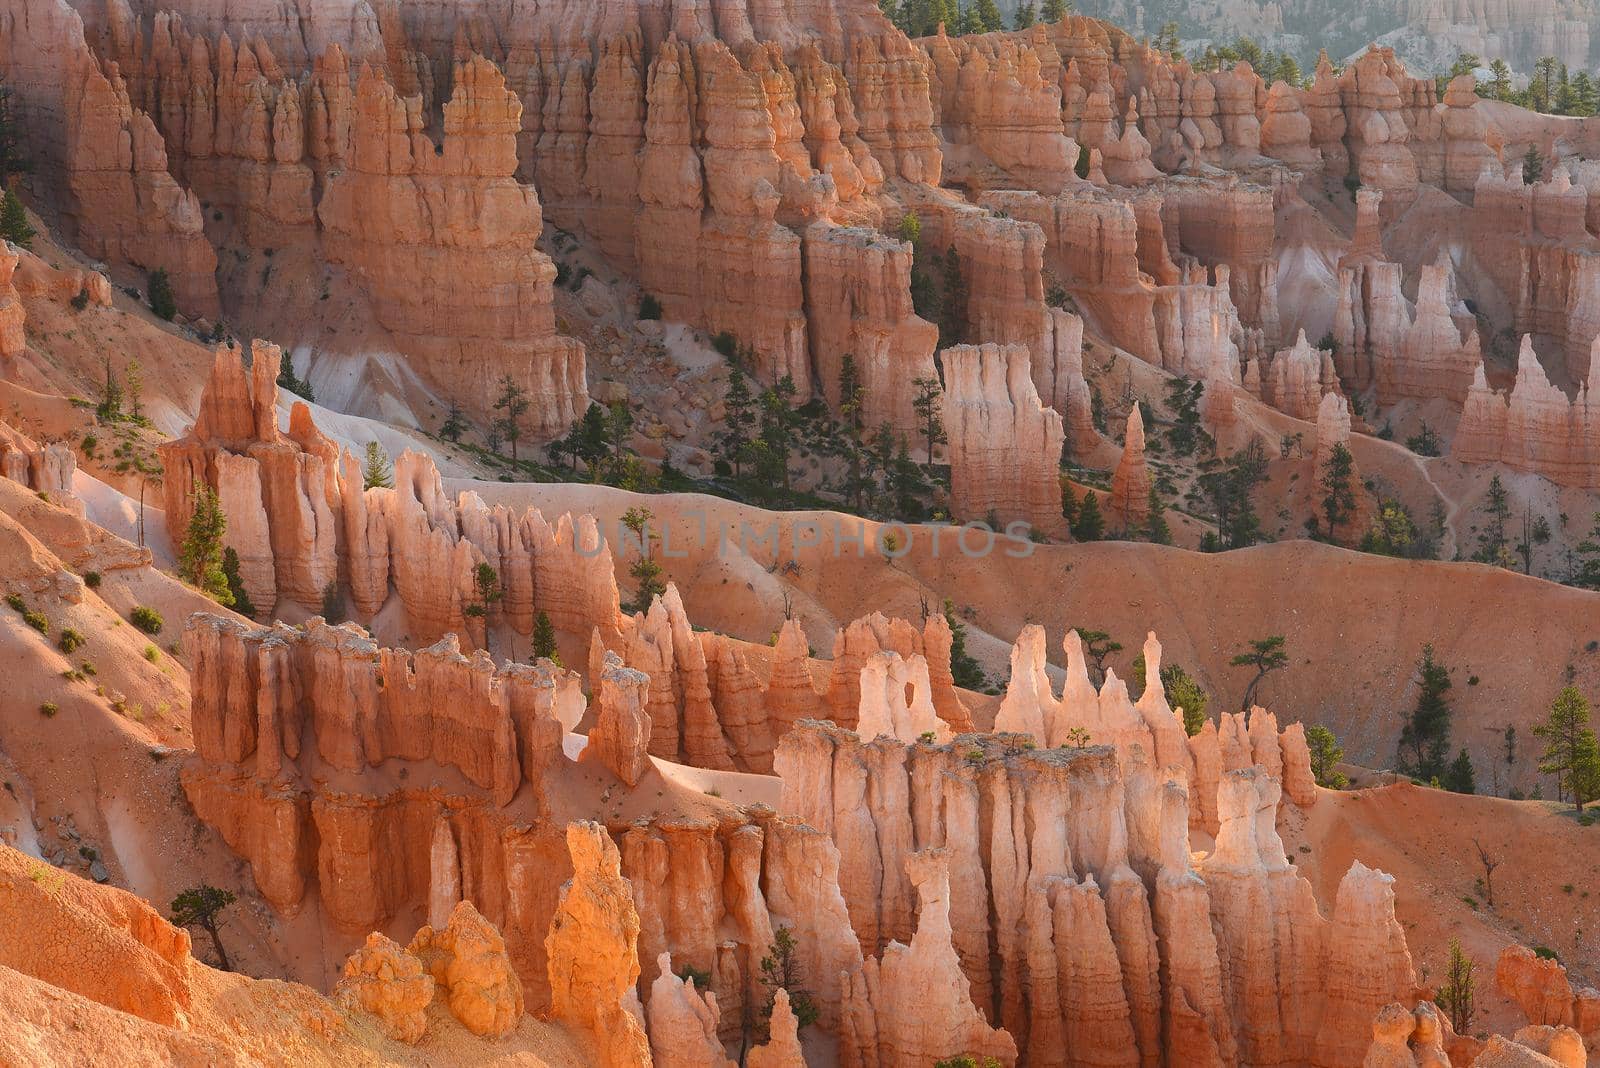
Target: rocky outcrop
{"points": [[384, 980], [1131, 482], [620, 738], [683, 1023], [1542, 991], [592, 949], [1534, 427], [1005, 446], [471, 972], [46, 469], [1078, 913], [440, 236], [1418, 352], [100, 160], [258, 692], [782, 1050], [300, 519]]}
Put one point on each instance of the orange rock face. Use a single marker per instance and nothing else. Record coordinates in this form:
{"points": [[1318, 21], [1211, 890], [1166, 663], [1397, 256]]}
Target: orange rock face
{"points": [[381, 978], [1533, 428], [592, 949], [441, 235], [1005, 446], [471, 971], [1131, 482]]}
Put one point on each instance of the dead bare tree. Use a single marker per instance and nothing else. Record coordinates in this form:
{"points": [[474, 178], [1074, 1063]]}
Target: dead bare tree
{"points": [[1489, 865]]}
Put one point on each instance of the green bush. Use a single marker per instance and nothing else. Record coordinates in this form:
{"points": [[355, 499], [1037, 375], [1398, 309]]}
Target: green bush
{"points": [[162, 300], [91, 579], [37, 621], [70, 640], [146, 619], [16, 602], [726, 344], [48, 709], [649, 307], [152, 654]]}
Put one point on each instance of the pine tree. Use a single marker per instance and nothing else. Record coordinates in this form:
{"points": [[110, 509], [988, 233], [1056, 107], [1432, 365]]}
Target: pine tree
{"points": [[511, 404], [988, 16], [455, 424], [200, 556], [1339, 498], [645, 570], [1532, 166], [199, 906], [544, 639], [1024, 17], [953, 306], [1498, 87], [1425, 736], [230, 571], [1266, 655], [1069, 504], [133, 379], [927, 403], [1326, 752], [162, 300], [1493, 547], [14, 225], [1571, 752], [1156, 528], [963, 668], [1090, 524], [1053, 11], [109, 410], [13, 160], [376, 471], [1455, 995], [739, 420], [1458, 778]]}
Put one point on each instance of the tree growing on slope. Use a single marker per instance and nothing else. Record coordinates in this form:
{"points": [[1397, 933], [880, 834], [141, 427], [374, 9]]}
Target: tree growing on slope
{"points": [[1571, 752], [199, 906], [1425, 735], [1266, 655]]}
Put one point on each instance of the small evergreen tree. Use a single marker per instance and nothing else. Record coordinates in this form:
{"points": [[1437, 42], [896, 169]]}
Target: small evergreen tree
{"points": [[13, 160], [544, 639], [1455, 995], [1339, 498], [1025, 16], [162, 300], [927, 403], [1266, 655], [739, 419], [1571, 752], [455, 424], [1156, 528], [1069, 504], [910, 229], [953, 304], [289, 381], [14, 225], [780, 970], [512, 404], [987, 16], [133, 377], [109, 410], [376, 470], [1425, 736], [486, 587], [230, 571], [1532, 166], [1054, 11], [1090, 524], [199, 906], [1459, 778], [1098, 646], [963, 668], [200, 556], [1326, 752], [645, 570]]}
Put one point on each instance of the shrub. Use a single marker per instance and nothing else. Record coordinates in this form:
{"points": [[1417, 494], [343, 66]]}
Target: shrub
{"points": [[146, 619], [162, 300], [81, 301], [37, 621], [649, 307], [48, 709], [91, 579], [726, 344], [152, 654], [87, 668], [16, 602], [70, 640], [698, 976], [1545, 952]]}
